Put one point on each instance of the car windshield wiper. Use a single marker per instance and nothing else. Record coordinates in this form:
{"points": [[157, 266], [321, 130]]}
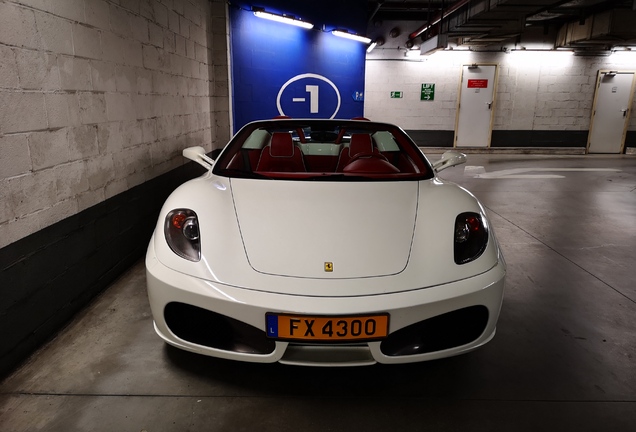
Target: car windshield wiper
{"points": [[237, 173]]}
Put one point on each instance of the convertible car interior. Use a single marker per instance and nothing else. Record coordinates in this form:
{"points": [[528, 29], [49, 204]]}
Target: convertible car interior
{"points": [[307, 150]]}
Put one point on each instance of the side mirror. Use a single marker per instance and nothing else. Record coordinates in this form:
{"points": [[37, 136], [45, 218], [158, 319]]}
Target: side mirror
{"points": [[198, 155], [449, 159]]}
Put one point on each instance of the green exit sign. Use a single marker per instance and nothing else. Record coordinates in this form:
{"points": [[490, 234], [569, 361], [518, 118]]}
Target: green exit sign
{"points": [[397, 95], [428, 92]]}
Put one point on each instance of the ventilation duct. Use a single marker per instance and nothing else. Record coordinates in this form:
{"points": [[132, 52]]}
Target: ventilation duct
{"points": [[603, 30], [434, 44]]}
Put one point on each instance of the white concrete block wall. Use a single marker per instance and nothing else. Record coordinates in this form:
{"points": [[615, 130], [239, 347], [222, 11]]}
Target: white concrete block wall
{"points": [[536, 90], [98, 96], [410, 112]]}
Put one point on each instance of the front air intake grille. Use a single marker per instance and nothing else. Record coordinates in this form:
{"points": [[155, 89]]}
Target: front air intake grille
{"points": [[439, 333], [203, 327]]}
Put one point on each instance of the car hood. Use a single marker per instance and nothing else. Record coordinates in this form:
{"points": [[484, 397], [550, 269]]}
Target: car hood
{"points": [[326, 230]]}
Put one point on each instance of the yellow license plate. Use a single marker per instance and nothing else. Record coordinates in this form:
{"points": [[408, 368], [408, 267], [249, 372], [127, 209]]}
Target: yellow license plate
{"points": [[327, 328]]}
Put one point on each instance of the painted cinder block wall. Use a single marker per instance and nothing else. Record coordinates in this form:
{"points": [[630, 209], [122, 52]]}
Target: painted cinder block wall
{"points": [[538, 92], [97, 100], [97, 97]]}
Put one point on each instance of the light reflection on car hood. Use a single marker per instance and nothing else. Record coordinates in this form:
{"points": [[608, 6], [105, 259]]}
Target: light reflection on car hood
{"points": [[300, 229]]}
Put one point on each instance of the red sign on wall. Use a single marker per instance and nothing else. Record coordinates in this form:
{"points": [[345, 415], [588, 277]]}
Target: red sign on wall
{"points": [[477, 83]]}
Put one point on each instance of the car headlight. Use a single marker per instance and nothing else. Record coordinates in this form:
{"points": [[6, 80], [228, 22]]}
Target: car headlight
{"points": [[182, 234], [471, 237]]}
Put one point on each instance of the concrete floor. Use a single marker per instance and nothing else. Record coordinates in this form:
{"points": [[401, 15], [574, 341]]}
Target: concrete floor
{"points": [[563, 357]]}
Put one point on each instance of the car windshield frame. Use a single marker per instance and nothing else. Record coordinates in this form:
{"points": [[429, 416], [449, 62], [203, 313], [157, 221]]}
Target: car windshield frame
{"points": [[324, 146]]}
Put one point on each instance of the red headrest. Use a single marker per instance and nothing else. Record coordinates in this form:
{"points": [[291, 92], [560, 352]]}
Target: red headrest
{"points": [[282, 145], [360, 143]]}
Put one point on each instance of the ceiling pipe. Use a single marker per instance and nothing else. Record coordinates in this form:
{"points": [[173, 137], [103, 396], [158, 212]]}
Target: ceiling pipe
{"points": [[377, 8], [437, 18]]}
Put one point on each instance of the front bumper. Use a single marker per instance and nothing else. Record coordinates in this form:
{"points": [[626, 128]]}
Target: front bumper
{"points": [[409, 311]]}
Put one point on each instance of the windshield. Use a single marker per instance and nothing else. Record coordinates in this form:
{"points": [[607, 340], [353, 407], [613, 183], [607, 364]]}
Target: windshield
{"points": [[323, 150]]}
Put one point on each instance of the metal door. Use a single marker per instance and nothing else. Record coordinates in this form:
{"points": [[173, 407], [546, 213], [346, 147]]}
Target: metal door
{"points": [[475, 111], [610, 114]]}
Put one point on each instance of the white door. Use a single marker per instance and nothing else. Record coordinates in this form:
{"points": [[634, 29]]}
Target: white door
{"points": [[475, 111], [612, 104]]}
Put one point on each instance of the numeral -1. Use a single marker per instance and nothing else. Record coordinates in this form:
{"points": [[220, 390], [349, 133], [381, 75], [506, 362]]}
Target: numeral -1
{"points": [[313, 98]]}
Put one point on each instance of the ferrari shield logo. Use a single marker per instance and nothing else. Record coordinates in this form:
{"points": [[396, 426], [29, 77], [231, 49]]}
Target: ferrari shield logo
{"points": [[328, 266]]}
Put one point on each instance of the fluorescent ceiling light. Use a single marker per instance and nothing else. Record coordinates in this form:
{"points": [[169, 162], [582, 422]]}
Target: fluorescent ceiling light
{"points": [[413, 55], [351, 36], [284, 19], [533, 59], [625, 52], [376, 43]]}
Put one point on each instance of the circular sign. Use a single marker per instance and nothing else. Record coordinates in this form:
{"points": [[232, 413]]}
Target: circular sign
{"points": [[309, 95]]}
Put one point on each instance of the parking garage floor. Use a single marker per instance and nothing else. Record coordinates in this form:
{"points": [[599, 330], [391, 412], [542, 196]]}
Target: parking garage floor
{"points": [[564, 357]]}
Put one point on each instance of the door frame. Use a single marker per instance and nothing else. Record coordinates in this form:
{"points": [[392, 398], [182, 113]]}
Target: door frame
{"points": [[459, 98], [600, 73]]}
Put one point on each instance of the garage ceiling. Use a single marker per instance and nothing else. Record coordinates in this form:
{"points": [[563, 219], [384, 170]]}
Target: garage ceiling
{"points": [[583, 25]]}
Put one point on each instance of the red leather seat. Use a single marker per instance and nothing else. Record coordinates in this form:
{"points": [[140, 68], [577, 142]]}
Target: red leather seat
{"points": [[360, 143], [281, 155], [371, 165]]}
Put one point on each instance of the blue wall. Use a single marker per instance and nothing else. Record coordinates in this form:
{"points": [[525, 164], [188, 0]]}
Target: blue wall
{"points": [[278, 69]]}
